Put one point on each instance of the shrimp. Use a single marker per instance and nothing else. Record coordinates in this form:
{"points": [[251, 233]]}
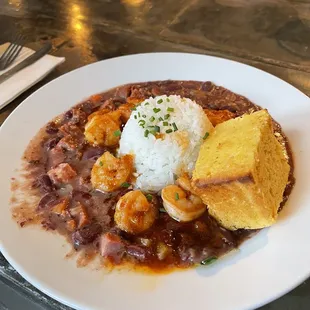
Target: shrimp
{"points": [[109, 172], [185, 183], [134, 213], [115, 115], [125, 111], [219, 116], [103, 128], [181, 205]]}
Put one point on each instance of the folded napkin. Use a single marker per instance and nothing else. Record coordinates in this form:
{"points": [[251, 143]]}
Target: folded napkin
{"points": [[27, 77]]}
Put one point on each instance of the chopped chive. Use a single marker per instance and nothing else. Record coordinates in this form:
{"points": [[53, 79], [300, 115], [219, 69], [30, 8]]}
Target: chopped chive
{"points": [[160, 119], [125, 184], [100, 163], [139, 114], [174, 127], [136, 117], [208, 260], [162, 210], [152, 119], [146, 133], [169, 131], [157, 129], [167, 116], [176, 196], [117, 133], [170, 109], [156, 110], [149, 197], [147, 103], [133, 109], [168, 100], [205, 136], [160, 101], [165, 123], [141, 122], [144, 116]]}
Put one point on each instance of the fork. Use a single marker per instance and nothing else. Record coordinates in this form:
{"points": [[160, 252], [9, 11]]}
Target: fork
{"points": [[11, 52]]}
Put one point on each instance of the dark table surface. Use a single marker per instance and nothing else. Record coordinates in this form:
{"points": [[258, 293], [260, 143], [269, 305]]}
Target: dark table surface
{"points": [[273, 35]]}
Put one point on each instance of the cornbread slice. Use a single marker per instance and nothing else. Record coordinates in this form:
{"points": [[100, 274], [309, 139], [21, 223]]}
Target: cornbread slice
{"points": [[241, 172]]}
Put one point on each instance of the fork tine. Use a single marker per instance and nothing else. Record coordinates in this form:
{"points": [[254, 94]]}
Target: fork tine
{"points": [[14, 55], [7, 60], [14, 52], [8, 49]]}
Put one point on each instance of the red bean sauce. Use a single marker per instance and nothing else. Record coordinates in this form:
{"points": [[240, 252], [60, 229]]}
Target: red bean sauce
{"points": [[168, 243]]}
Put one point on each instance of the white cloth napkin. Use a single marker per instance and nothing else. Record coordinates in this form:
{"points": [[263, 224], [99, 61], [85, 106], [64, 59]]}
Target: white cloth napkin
{"points": [[24, 79]]}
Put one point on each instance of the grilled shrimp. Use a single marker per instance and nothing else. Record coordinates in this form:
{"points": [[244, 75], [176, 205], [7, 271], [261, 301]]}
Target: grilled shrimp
{"points": [[103, 128], [185, 183], [134, 213], [125, 110], [109, 172], [115, 115], [181, 205]]}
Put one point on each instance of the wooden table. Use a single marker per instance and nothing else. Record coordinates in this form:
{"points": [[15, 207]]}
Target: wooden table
{"points": [[272, 35]]}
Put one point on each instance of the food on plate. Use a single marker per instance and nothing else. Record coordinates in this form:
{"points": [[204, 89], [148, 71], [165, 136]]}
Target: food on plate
{"points": [[181, 205], [159, 175], [164, 135], [110, 173], [219, 116], [242, 172], [101, 128], [134, 213]]}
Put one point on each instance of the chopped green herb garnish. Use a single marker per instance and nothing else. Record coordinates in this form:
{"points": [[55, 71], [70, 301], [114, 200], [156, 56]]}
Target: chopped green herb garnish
{"points": [[156, 110], [167, 116], [139, 114], [152, 119], [165, 123], [141, 122], [169, 131], [136, 117], [160, 119], [149, 197], [168, 100], [162, 210], [174, 126], [100, 163], [160, 101], [147, 103], [152, 130], [157, 129], [176, 196], [144, 116], [117, 133], [170, 109], [208, 260], [133, 109], [146, 133], [205, 136], [125, 184]]}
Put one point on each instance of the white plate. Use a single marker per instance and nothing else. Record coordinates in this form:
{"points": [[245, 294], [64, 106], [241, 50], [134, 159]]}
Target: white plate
{"points": [[266, 267]]}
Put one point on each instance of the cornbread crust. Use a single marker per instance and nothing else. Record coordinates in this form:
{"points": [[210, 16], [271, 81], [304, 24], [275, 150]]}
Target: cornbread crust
{"points": [[241, 172]]}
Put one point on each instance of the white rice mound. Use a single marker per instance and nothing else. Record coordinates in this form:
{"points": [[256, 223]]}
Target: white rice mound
{"points": [[160, 160]]}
